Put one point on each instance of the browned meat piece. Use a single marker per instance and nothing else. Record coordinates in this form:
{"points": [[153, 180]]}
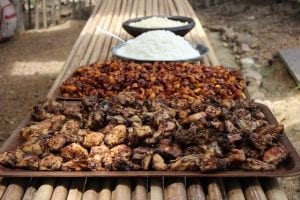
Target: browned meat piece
{"points": [[102, 149], [56, 142], [251, 152], [116, 136], [142, 131], [37, 129], [8, 158], [71, 127], [75, 165], [127, 98], [212, 164], [50, 163], [122, 164], [218, 125], [275, 155], [146, 161], [95, 162], [230, 128], [92, 139], [193, 135], [46, 110], [158, 163], [265, 136], [73, 111], [121, 150], [74, 151], [257, 165], [189, 162], [237, 155], [27, 161], [34, 146], [168, 149], [140, 153], [234, 137], [212, 112], [96, 120], [194, 117]]}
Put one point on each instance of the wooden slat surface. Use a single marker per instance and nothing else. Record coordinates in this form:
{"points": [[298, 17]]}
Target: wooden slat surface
{"points": [[91, 46]]}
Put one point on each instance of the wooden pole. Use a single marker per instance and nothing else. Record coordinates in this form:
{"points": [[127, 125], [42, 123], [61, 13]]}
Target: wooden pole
{"points": [[31, 189], [20, 16], [252, 189], [175, 189], [45, 190], [29, 14], [45, 13], [233, 189], [272, 189], [59, 11], [15, 189], [156, 189], [123, 189], [37, 14], [53, 13], [105, 191], [140, 190], [194, 189]]}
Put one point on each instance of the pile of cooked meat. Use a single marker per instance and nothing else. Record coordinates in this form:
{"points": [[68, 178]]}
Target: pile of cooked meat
{"points": [[164, 79], [122, 133]]}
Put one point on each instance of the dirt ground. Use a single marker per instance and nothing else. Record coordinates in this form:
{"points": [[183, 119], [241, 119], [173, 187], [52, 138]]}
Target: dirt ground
{"points": [[30, 63]]}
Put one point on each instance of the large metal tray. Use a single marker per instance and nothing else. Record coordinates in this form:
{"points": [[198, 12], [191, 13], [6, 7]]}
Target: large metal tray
{"points": [[291, 167]]}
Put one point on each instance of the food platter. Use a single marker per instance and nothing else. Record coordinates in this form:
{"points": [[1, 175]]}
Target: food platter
{"points": [[291, 167], [199, 47]]}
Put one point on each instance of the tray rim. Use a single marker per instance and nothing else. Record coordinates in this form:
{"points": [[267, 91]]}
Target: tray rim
{"points": [[14, 172]]}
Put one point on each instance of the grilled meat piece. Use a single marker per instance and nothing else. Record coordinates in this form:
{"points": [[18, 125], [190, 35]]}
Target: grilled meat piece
{"points": [[8, 158], [190, 163], [73, 111], [158, 163], [50, 163], [116, 136], [257, 165], [74, 151], [75, 165], [237, 156], [102, 149], [193, 135], [34, 146], [169, 150], [57, 142], [212, 164], [95, 162], [275, 155], [147, 161], [37, 129], [96, 120], [71, 127], [92, 139], [121, 150]]}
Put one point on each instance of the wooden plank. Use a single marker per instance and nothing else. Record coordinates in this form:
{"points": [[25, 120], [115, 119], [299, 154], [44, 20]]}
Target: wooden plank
{"points": [[76, 189], [200, 31], [45, 14], [65, 71], [175, 189], [233, 189], [273, 189], [141, 8], [37, 14], [107, 39], [195, 189], [31, 189], [291, 58], [252, 189], [92, 187], [15, 189], [129, 10], [156, 189], [214, 190], [161, 7], [45, 190], [100, 17], [148, 7], [155, 7], [61, 190]]}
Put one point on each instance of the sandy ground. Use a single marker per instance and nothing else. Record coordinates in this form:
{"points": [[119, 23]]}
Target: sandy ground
{"points": [[30, 63], [28, 66]]}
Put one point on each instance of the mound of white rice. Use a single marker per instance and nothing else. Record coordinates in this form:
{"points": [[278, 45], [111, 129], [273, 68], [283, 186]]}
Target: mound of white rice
{"points": [[157, 22]]}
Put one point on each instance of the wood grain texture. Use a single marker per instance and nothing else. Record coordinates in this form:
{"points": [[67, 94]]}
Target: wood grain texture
{"points": [[156, 189], [233, 189], [195, 189], [174, 189], [272, 189], [45, 190], [15, 189], [252, 189], [61, 189]]}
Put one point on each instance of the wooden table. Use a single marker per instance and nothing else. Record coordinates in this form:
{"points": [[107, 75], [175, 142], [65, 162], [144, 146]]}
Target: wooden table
{"points": [[93, 46]]}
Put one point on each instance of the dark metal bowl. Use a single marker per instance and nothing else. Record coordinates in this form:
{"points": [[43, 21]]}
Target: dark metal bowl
{"points": [[179, 30], [199, 47]]}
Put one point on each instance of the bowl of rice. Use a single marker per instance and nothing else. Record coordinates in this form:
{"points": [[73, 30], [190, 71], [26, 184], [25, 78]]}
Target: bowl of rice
{"points": [[177, 24], [159, 45]]}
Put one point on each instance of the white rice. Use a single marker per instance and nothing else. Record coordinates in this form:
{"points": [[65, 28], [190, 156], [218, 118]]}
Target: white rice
{"points": [[157, 22], [158, 45]]}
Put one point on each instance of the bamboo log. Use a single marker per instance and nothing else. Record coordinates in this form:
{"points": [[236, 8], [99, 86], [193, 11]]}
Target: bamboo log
{"points": [[15, 189], [123, 189], [156, 189], [194, 189], [76, 189], [214, 190], [272, 189], [61, 190], [140, 190], [45, 190], [105, 191], [233, 189], [3, 186], [45, 14], [31, 189], [92, 187], [175, 189], [252, 189]]}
